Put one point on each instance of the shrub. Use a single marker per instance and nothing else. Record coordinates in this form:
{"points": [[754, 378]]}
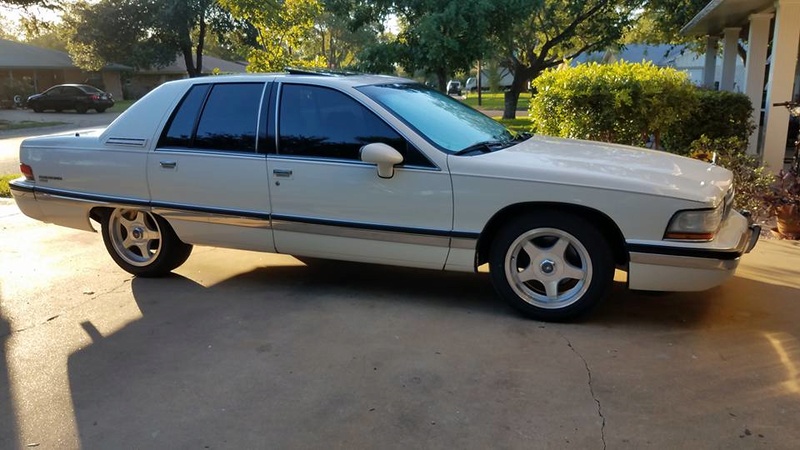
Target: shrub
{"points": [[718, 115], [622, 102], [751, 180]]}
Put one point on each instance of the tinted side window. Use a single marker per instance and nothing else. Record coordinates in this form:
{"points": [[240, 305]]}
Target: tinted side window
{"points": [[230, 117], [321, 122], [181, 126]]}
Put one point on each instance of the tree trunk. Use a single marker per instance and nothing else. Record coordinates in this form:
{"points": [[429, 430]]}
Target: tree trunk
{"points": [[187, 59], [441, 76], [512, 95], [201, 38]]}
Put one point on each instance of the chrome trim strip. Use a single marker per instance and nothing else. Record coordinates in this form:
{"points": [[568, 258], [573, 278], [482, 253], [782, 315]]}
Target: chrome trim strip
{"points": [[463, 243], [207, 217], [361, 233], [683, 261], [126, 142], [41, 191], [225, 154]]}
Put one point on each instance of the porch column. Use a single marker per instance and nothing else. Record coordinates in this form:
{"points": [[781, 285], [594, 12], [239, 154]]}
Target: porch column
{"points": [[729, 55], [709, 72], [785, 42], [756, 66]]}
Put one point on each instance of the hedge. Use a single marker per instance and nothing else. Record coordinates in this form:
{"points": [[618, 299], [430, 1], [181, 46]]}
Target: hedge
{"points": [[622, 102], [718, 115]]}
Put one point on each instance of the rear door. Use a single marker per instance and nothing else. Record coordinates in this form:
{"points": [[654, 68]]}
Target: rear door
{"points": [[207, 176]]}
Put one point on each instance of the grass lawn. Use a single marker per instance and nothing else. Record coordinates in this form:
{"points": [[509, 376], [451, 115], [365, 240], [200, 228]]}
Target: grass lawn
{"points": [[121, 105], [4, 179], [496, 101], [8, 125], [520, 124]]}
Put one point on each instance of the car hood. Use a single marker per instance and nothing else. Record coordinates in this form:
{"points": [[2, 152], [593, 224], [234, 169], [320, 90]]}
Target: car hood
{"points": [[605, 166]]}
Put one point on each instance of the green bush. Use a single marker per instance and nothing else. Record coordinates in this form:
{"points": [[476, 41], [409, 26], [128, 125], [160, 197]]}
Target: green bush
{"points": [[11, 87], [622, 102], [718, 115]]}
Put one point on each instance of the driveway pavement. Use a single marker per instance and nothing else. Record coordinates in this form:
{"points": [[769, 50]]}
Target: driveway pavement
{"points": [[72, 121], [249, 350]]}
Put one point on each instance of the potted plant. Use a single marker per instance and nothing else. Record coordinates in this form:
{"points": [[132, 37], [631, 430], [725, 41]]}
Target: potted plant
{"points": [[782, 200]]}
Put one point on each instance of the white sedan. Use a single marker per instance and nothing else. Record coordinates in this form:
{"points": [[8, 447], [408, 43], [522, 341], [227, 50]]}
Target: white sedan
{"points": [[383, 170]]}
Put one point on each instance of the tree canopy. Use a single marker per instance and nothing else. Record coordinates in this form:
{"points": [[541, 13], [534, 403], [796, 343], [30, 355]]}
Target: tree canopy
{"points": [[143, 33]]}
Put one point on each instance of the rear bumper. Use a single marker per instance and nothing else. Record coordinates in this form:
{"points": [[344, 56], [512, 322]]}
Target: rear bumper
{"points": [[692, 268]]}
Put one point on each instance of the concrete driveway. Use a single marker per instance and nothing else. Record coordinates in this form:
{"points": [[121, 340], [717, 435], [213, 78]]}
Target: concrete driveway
{"points": [[249, 350]]}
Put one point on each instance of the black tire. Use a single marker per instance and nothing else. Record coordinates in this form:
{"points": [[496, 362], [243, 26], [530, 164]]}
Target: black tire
{"points": [[36, 109], [100, 110], [551, 266], [154, 249], [81, 109]]}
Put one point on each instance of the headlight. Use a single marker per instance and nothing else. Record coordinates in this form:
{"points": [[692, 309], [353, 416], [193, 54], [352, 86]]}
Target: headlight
{"points": [[695, 225]]}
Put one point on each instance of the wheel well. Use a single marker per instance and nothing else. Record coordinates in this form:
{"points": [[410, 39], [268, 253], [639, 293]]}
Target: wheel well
{"points": [[606, 225]]}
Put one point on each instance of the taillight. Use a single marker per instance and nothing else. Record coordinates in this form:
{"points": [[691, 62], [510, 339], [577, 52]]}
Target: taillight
{"points": [[95, 97], [27, 171]]}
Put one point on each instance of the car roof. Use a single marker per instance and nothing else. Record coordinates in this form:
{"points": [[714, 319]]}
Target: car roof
{"points": [[324, 78]]}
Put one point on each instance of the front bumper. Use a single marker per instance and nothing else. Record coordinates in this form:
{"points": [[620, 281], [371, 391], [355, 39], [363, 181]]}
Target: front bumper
{"points": [[696, 267]]}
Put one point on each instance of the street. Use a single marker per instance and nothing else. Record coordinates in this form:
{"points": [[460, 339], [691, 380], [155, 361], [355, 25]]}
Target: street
{"points": [[249, 350]]}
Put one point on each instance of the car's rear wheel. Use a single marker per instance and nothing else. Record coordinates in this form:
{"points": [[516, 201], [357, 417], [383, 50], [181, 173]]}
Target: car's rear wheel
{"points": [[142, 243], [81, 109], [551, 266], [100, 110]]}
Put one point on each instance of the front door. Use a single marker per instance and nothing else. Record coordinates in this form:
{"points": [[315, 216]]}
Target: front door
{"points": [[327, 203]]}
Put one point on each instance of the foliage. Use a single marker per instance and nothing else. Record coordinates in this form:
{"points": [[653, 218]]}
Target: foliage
{"points": [[660, 21], [719, 114], [535, 36], [334, 40], [143, 33], [280, 28], [5, 190], [621, 102], [440, 37], [751, 180], [11, 87]]}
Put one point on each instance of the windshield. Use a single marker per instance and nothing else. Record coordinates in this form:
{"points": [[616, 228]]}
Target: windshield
{"points": [[444, 121]]}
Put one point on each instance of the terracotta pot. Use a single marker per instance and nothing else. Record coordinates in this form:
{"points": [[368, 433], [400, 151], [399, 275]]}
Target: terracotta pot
{"points": [[789, 222]]}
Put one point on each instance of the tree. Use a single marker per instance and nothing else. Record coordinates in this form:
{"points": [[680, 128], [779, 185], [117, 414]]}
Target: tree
{"points": [[438, 37], [544, 33], [144, 33], [661, 21]]}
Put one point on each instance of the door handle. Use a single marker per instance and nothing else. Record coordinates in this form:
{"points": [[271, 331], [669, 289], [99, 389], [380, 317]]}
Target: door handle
{"points": [[168, 164], [282, 172]]}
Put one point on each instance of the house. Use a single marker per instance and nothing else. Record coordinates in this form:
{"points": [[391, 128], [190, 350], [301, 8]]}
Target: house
{"points": [[42, 68], [772, 31], [679, 57], [144, 80]]}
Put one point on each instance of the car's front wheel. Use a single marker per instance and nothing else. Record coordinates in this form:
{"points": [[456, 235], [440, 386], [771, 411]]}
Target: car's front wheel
{"points": [[81, 108], [551, 266], [142, 243]]}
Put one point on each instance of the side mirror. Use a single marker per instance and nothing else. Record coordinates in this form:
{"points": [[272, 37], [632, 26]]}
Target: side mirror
{"points": [[384, 156]]}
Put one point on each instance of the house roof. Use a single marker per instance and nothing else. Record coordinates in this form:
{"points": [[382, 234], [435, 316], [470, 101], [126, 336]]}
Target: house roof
{"points": [[17, 55], [178, 67], [720, 14], [660, 55]]}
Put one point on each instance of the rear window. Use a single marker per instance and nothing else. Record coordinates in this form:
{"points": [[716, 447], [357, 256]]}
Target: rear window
{"points": [[90, 89]]}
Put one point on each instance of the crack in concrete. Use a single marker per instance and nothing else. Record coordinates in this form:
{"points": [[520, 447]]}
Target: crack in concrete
{"points": [[591, 390], [70, 309]]}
